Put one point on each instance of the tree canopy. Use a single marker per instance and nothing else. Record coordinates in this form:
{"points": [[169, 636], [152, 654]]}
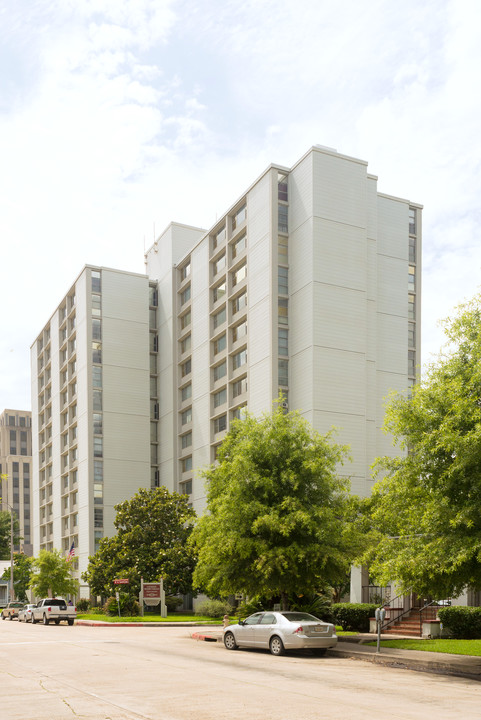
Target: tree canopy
{"points": [[52, 575], [277, 520], [151, 542], [22, 570], [426, 509], [5, 528]]}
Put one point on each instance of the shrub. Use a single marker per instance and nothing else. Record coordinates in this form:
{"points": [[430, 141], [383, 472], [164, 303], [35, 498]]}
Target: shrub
{"points": [[353, 616], [128, 606], [173, 602], [462, 622], [316, 604], [213, 608], [83, 604]]}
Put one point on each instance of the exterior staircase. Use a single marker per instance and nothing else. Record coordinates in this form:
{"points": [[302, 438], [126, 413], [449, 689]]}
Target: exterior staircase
{"points": [[410, 624]]}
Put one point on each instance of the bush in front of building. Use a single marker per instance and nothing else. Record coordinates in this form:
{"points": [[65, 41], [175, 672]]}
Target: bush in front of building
{"points": [[129, 607], [462, 622], [214, 608], [83, 605], [353, 616]]}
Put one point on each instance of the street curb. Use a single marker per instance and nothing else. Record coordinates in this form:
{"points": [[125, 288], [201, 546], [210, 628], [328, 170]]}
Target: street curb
{"points": [[102, 623]]}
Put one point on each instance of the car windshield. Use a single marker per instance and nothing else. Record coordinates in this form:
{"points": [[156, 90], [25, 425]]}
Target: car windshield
{"points": [[299, 617]]}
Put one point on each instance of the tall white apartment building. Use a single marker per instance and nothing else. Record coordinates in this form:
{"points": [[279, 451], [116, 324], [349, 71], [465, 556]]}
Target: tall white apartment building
{"points": [[309, 285]]}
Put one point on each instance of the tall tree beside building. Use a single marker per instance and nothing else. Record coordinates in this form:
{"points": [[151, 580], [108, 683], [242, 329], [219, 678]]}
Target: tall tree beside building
{"points": [[277, 520], [426, 510]]}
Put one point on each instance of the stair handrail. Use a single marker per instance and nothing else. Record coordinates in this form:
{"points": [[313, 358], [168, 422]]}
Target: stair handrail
{"points": [[389, 621]]}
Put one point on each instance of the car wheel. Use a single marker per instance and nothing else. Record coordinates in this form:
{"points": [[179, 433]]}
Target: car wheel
{"points": [[229, 641], [70, 621], [45, 620], [319, 652], [276, 646], [33, 620], [57, 622], [10, 617]]}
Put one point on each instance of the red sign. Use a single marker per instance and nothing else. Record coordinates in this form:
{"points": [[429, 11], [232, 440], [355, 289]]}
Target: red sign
{"points": [[152, 590], [123, 581]]}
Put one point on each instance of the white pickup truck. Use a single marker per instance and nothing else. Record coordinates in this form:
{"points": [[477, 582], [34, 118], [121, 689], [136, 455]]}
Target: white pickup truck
{"points": [[55, 610]]}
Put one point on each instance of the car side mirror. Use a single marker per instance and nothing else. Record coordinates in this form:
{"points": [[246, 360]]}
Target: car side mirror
{"points": [[241, 622]]}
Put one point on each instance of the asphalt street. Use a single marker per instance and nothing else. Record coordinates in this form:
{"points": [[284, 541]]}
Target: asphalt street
{"points": [[140, 673]]}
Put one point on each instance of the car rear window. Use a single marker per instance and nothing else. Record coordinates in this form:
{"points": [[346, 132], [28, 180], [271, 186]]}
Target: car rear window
{"points": [[55, 602], [299, 617]]}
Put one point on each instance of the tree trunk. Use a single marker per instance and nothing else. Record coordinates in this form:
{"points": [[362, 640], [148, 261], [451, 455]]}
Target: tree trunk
{"points": [[284, 601]]}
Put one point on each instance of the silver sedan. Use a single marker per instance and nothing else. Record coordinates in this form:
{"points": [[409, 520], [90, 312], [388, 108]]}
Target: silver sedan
{"points": [[25, 614], [281, 631]]}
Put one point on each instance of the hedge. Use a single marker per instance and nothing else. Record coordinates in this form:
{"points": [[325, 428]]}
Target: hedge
{"points": [[462, 622], [353, 616]]}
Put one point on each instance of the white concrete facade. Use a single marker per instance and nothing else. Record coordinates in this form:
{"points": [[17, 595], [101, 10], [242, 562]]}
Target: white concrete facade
{"points": [[308, 285]]}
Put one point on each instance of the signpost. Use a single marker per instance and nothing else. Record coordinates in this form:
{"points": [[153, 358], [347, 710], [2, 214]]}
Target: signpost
{"points": [[153, 594], [120, 581]]}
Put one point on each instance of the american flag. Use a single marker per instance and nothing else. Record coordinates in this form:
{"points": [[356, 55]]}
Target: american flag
{"points": [[71, 552]]}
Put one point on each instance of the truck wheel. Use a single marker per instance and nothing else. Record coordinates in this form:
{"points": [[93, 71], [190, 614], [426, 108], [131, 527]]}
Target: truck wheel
{"points": [[70, 621], [33, 620], [45, 620], [10, 617], [57, 622]]}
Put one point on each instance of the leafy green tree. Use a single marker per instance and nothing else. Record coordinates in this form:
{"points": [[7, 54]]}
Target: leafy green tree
{"points": [[151, 542], [426, 509], [5, 522], [51, 575], [22, 570], [278, 512]]}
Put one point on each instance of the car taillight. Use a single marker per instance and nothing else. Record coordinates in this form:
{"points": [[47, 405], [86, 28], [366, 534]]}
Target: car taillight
{"points": [[299, 630], [50, 609], [75, 608]]}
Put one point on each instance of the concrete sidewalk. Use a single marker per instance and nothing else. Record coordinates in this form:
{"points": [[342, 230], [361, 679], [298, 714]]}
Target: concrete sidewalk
{"points": [[467, 666]]}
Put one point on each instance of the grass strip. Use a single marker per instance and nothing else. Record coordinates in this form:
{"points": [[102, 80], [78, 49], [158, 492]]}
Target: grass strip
{"points": [[440, 645]]}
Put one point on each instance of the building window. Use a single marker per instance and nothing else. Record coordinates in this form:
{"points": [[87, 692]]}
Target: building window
{"points": [[239, 413], [220, 371], [220, 424], [152, 318], [220, 344], [185, 272], [239, 217], [282, 187], [186, 464], [239, 331], [282, 341], [282, 280], [153, 296], [220, 397], [185, 344], [186, 392], [411, 335], [412, 250], [186, 416], [282, 311], [239, 303], [185, 295], [239, 246], [219, 318], [98, 493], [97, 400], [282, 249], [96, 281], [239, 359], [239, 275], [96, 305], [219, 291], [186, 440], [98, 447], [98, 517], [13, 442], [412, 278], [97, 418], [411, 307], [186, 488], [283, 372], [411, 362], [239, 387], [412, 221], [185, 320], [98, 471], [219, 264], [96, 329], [153, 342], [97, 352], [218, 238], [186, 368], [282, 222]]}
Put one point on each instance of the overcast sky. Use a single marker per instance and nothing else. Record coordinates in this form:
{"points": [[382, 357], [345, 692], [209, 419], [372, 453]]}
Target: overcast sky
{"points": [[118, 116]]}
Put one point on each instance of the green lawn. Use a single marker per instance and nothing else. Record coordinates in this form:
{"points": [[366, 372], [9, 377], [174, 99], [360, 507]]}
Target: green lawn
{"points": [[150, 618], [455, 647]]}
